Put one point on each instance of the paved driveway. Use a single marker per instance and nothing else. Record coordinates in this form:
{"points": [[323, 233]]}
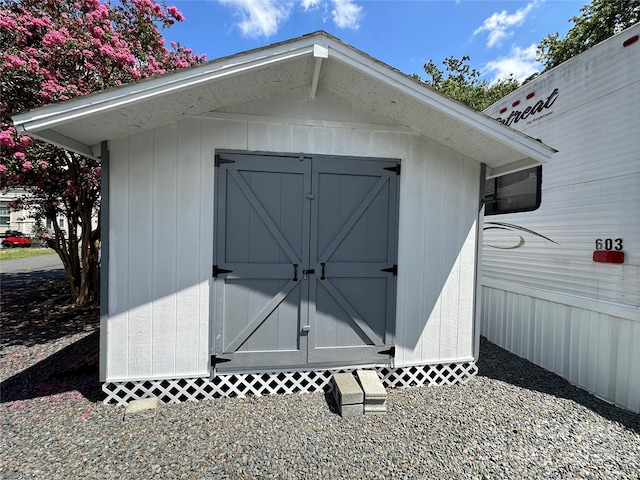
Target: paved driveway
{"points": [[26, 269]]}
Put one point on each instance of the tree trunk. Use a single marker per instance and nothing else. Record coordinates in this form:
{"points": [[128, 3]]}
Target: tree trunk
{"points": [[89, 291], [80, 259]]}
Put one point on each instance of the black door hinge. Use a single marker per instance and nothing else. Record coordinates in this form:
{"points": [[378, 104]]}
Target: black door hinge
{"points": [[394, 169], [215, 360], [391, 352], [393, 270], [217, 271], [219, 160]]}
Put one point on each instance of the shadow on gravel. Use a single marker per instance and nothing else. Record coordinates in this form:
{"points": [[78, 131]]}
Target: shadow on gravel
{"points": [[74, 368], [499, 364], [35, 310]]}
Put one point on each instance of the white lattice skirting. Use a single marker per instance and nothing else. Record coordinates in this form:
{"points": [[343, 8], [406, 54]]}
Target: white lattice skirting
{"points": [[277, 383]]}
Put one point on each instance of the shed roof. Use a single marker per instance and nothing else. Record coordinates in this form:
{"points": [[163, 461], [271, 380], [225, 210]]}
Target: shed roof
{"points": [[317, 59]]}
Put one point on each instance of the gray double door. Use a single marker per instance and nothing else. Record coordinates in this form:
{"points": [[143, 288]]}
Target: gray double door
{"points": [[305, 261]]}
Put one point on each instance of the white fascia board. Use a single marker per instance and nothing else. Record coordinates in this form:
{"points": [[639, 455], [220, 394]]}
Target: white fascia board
{"points": [[49, 116], [421, 93], [67, 143]]}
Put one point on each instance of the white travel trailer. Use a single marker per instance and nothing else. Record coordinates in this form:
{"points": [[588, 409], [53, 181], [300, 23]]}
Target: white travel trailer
{"points": [[561, 283]]}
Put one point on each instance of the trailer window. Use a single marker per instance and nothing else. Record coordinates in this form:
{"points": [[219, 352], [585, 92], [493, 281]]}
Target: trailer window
{"points": [[514, 192]]}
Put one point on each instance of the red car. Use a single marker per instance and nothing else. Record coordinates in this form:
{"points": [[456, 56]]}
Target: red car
{"points": [[12, 239]]}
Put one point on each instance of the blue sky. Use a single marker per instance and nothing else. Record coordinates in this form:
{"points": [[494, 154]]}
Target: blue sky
{"points": [[499, 36]]}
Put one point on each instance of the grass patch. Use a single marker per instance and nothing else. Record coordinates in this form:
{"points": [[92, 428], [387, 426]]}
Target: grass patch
{"points": [[13, 253]]}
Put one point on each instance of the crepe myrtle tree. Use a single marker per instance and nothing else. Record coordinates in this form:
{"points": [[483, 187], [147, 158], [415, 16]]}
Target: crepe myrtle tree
{"points": [[53, 50]]}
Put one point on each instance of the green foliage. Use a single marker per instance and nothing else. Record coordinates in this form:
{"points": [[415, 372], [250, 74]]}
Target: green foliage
{"points": [[40, 236], [598, 21], [463, 83]]}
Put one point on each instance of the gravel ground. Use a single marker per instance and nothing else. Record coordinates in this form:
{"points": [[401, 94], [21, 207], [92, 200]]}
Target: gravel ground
{"points": [[514, 420]]}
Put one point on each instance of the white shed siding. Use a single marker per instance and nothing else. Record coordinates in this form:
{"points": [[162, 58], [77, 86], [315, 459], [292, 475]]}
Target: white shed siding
{"points": [[164, 244], [161, 253], [161, 207], [438, 232]]}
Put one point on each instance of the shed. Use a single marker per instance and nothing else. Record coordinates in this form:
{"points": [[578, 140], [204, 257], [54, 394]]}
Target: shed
{"points": [[283, 213]]}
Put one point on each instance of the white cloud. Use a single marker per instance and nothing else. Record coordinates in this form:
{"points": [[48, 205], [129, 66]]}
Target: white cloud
{"points": [[310, 4], [261, 18], [498, 25], [520, 63], [346, 14]]}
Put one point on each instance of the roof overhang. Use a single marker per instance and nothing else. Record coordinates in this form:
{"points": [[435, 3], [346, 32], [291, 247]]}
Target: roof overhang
{"points": [[317, 60]]}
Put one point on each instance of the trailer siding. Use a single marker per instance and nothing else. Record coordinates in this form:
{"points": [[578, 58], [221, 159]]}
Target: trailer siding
{"points": [[550, 302]]}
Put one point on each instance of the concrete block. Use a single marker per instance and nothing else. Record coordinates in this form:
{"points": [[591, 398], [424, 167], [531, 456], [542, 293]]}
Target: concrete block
{"points": [[375, 395], [370, 409], [348, 394], [348, 390], [136, 406], [347, 411], [143, 408]]}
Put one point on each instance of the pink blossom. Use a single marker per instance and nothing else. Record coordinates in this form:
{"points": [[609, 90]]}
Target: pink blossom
{"points": [[98, 32], [3, 168], [33, 65], [107, 50], [44, 164], [175, 13], [54, 38], [25, 141], [6, 138], [7, 23], [125, 57], [40, 22], [13, 61]]}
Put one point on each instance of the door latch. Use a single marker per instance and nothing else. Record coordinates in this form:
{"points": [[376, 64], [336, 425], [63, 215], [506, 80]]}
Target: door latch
{"points": [[307, 272]]}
